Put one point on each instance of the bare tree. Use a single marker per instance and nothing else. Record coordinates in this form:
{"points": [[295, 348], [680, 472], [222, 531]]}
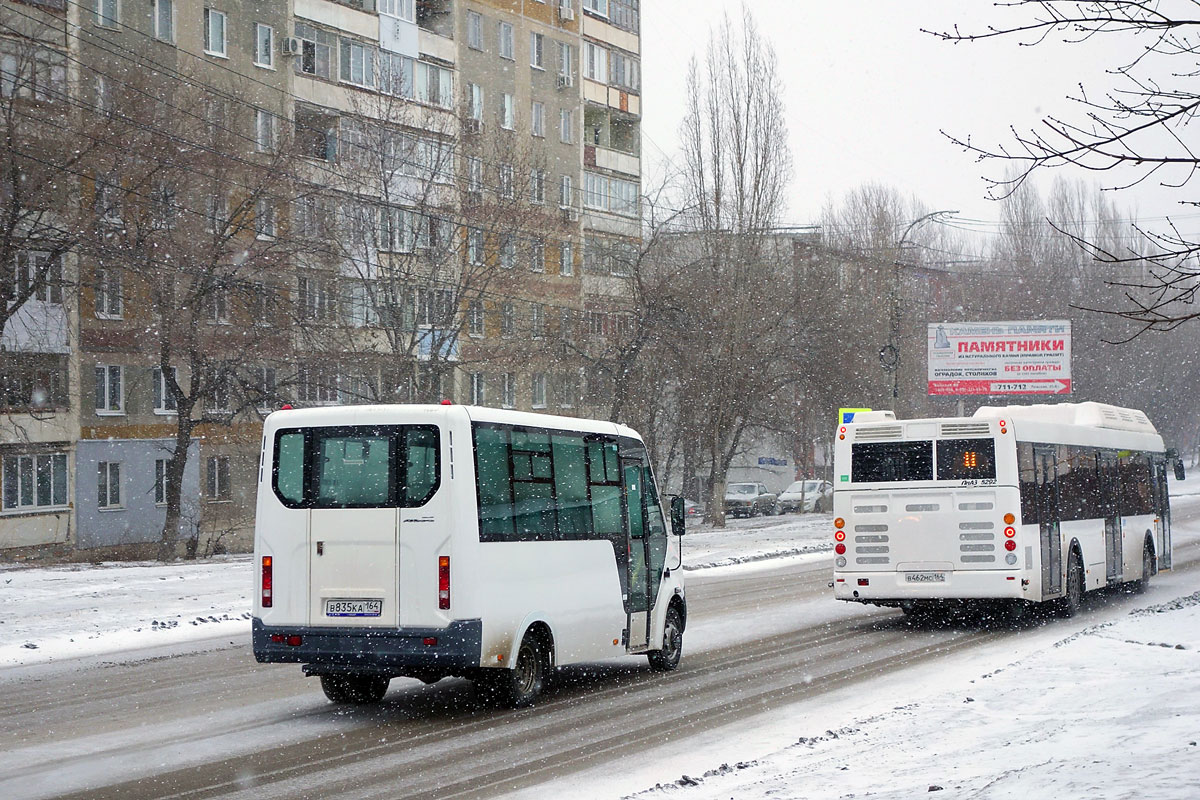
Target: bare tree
{"points": [[1132, 132], [186, 220], [732, 348]]}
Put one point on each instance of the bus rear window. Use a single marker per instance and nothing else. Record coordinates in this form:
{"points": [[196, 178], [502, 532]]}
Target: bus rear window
{"points": [[356, 466], [966, 459], [874, 462]]}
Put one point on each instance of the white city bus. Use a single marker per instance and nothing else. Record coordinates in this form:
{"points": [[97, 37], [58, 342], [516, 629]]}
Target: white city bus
{"points": [[1016, 504], [435, 540]]}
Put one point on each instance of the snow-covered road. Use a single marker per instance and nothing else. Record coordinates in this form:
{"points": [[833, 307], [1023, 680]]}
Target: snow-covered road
{"points": [[1106, 705]]}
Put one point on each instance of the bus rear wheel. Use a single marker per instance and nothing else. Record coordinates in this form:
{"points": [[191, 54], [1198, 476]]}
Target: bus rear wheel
{"points": [[1073, 598], [667, 658], [520, 686], [355, 689], [1142, 585]]}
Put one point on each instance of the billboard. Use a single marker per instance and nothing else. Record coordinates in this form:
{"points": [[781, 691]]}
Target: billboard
{"points": [[1000, 358]]}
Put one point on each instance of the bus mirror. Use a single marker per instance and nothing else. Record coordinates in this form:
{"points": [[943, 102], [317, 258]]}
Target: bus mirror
{"points": [[1179, 470], [678, 517]]}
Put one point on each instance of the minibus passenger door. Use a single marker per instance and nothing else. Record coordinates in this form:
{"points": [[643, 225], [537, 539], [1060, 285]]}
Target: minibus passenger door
{"points": [[1049, 535], [638, 619]]}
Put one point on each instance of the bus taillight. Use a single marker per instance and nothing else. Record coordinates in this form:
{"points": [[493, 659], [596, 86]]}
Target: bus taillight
{"points": [[443, 582], [266, 581], [1010, 545]]}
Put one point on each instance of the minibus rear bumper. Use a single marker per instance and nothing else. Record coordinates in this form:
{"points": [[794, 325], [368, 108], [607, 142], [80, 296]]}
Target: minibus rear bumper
{"points": [[392, 651]]}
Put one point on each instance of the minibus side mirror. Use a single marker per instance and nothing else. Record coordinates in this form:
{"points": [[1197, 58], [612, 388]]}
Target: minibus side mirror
{"points": [[678, 517], [1179, 470]]}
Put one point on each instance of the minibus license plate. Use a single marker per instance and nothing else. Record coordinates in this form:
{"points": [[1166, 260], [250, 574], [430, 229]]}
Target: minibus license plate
{"points": [[924, 577], [353, 608]]}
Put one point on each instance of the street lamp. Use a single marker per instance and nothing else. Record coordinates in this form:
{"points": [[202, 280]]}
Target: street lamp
{"points": [[889, 354]]}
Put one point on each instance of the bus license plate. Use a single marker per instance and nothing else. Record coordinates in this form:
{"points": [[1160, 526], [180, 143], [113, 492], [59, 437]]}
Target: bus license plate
{"points": [[353, 608], [924, 577]]}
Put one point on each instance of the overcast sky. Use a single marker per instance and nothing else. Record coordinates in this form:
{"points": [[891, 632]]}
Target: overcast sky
{"points": [[867, 93]]}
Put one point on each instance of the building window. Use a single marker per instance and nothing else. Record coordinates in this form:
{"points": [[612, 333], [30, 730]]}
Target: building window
{"points": [[160, 481], [625, 72], [506, 41], [37, 275], [164, 20], [475, 247], [566, 192], [108, 294], [316, 51], [598, 6], [474, 30], [217, 484], [508, 318], [216, 213], [264, 130], [507, 117], [478, 395], [595, 62], [357, 63], [163, 206], [110, 396], [435, 85], [508, 251], [360, 307], [404, 9], [264, 219], [538, 393], [537, 119], [164, 400], [566, 64], [217, 382], [264, 45], [476, 101], [537, 186], [506, 181], [315, 299], [475, 175], [537, 320], [35, 481], [107, 13], [475, 318], [508, 390], [265, 386], [216, 304], [566, 259], [214, 32], [108, 484], [537, 255], [536, 48], [566, 126]]}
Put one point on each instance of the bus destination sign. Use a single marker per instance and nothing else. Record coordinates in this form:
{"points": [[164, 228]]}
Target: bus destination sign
{"points": [[1000, 358]]}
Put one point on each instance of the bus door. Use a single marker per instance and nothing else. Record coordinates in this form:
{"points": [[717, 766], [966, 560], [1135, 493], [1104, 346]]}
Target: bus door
{"points": [[1162, 513], [639, 602], [1109, 492], [353, 527], [1047, 508]]}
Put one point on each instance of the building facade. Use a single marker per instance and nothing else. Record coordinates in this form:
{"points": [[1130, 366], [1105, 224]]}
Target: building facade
{"points": [[310, 202]]}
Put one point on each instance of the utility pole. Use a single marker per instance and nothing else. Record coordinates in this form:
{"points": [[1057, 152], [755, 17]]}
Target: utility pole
{"points": [[889, 354]]}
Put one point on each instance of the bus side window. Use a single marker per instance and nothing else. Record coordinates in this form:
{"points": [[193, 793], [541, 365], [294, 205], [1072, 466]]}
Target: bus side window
{"points": [[606, 494], [495, 484], [570, 487], [655, 525], [1027, 479], [420, 465]]}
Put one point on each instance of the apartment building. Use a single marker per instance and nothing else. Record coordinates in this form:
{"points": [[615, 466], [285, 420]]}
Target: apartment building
{"points": [[369, 201]]}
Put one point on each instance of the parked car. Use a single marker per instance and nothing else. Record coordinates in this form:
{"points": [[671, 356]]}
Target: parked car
{"points": [[805, 496], [748, 500], [692, 509]]}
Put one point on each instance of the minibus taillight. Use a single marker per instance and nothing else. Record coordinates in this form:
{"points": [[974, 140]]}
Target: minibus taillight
{"points": [[266, 581], [443, 582]]}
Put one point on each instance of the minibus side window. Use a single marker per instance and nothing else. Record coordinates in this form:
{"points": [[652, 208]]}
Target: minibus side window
{"points": [[420, 465], [289, 467]]}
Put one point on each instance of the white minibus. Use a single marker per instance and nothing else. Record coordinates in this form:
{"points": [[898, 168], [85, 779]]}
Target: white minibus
{"points": [[429, 541]]}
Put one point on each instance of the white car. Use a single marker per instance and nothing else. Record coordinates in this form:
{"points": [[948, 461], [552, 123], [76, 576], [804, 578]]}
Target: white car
{"points": [[805, 496]]}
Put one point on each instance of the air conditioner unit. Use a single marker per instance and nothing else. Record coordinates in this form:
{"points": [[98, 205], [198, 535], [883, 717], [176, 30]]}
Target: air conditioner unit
{"points": [[569, 213], [472, 125], [290, 46], [565, 80], [566, 13]]}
